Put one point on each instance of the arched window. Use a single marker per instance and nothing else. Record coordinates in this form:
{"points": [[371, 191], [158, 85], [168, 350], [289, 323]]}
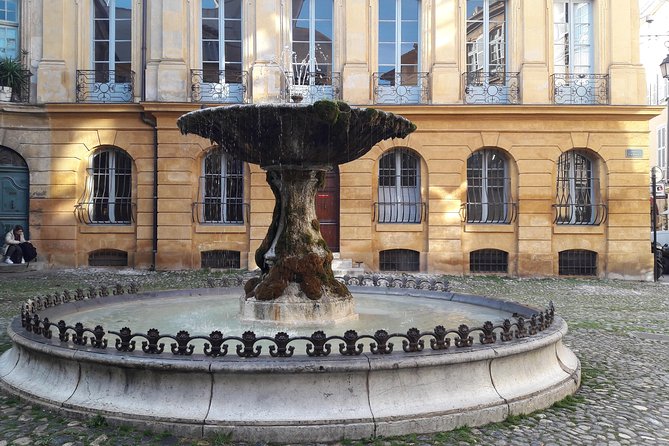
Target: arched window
{"points": [[222, 78], [108, 196], [399, 188], [488, 188], [577, 197], [488, 261], [221, 189], [224, 259], [399, 260], [577, 262]]}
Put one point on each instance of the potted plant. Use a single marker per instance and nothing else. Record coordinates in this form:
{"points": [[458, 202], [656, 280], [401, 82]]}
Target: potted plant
{"points": [[13, 77]]}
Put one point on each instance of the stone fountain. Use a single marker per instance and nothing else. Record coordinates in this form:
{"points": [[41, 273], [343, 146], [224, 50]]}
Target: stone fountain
{"points": [[296, 145]]}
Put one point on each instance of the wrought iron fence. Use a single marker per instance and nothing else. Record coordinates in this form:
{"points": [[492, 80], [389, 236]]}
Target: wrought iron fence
{"points": [[23, 94], [580, 89], [491, 88], [219, 86], [231, 212], [105, 86], [249, 345], [309, 87], [401, 88]]}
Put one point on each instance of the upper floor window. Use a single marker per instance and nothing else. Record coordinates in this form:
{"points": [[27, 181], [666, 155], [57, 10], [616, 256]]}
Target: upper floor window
{"points": [[577, 198], [222, 75], [398, 79], [572, 36], [488, 188], [312, 52], [486, 36], [662, 148], [221, 189], [112, 77], [108, 195], [9, 29], [399, 188]]}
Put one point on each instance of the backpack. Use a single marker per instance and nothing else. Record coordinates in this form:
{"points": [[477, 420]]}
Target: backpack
{"points": [[29, 251]]}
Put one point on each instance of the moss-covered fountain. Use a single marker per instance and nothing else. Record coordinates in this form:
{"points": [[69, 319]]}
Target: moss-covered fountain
{"points": [[296, 145]]}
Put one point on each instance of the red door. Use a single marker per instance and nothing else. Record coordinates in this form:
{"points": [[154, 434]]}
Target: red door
{"points": [[327, 209]]}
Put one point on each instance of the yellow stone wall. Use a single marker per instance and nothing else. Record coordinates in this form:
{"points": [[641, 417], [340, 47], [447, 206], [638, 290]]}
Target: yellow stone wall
{"points": [[57, 136]]}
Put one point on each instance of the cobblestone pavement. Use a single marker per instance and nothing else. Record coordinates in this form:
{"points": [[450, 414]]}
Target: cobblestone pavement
{"points": [[618, 329]]}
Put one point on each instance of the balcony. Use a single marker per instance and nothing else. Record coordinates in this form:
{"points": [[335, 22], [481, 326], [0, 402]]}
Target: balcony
{"points": [[221, 212], [580, 89], [566, 213], [491, 88], [226, 87], [401, 88], [309, 87], [489, 212], [104, 86]]}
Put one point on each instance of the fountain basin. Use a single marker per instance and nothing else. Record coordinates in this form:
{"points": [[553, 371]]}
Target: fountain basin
{"points": [[300, 398]]}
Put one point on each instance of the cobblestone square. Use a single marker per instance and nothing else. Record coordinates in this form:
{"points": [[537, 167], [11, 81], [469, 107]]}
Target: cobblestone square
{"points": [[618, 329]]}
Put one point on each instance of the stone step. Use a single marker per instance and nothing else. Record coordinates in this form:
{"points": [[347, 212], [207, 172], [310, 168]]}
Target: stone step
{"points": [[21, 267]]}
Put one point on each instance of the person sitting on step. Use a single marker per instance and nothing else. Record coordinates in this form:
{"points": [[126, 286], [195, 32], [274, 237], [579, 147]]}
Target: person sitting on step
{"points": [[12, 249]]}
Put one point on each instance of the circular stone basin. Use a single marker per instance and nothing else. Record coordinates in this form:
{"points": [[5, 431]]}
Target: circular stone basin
{"points": [[380, 381]]}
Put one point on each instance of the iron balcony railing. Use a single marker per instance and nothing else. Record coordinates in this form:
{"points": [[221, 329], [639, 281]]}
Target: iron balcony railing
{"points": [[229, 87], [105, 212], [580, 214], [309, 87], [402, 212], [220, 212], [105, 86], [491, 88], [23, 93], [491, 213], [401, 88], [580, 89]]}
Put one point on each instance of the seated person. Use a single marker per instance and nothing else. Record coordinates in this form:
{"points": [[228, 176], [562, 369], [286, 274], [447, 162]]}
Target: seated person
{"points": [[14, 248]]}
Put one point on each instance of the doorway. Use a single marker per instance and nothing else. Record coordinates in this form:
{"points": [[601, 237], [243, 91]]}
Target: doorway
{"points": [[14, 188], [327, 209]]}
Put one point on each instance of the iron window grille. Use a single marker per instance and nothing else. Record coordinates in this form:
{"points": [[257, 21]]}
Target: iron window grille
{"points": [[102, 85], [219, 86], [221, 190], [577, 197], [399, 188], [580, 89], [577, 262], [220, 259], [401, 88], [491, 88], [488, 189], [399, 260], [108, 195], [489, 261], [108, 257]]}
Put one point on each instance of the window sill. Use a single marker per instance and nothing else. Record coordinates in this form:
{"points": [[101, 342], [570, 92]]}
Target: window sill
{"points": [[218, 229], [399, 227], [578, 229], [107, 228], [490, 227]]}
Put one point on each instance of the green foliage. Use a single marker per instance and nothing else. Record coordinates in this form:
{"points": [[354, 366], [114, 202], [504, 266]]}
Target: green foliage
{"points": [[12, 73], [97, 421]]}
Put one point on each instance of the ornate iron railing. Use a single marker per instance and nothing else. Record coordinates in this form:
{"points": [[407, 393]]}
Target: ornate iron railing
{"points": [[581, 89], [580, 214], [496, 213], [223, 212], [96, 212], [219, 86], [309, 87], [399, 212], [105, 86], [401, 88], [23, 93], [249, 345], [491, 88]]}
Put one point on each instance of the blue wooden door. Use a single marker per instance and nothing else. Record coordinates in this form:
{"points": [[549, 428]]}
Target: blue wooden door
{"points": [[14, 187]]}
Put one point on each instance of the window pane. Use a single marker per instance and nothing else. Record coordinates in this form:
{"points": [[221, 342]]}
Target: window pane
{"points": [[324, 54], [123, 30], [301, 9], [209, 9], [323, 30], [233, 30], [233, 9], [386, 54], [101, 51], [233, 51], [386, 9], [123, 9], [410, 9], [210, 51], [324, 9], [409, 31], [123, 50], [101, 9], [474, 9], [386, 31]]}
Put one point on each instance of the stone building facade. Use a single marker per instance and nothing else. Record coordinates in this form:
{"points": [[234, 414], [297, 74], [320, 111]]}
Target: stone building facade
{"points": [[530, 158]]}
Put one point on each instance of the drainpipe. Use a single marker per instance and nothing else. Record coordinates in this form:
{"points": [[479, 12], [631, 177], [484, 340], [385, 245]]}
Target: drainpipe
{"points": [[143, 52], [151, 121]]}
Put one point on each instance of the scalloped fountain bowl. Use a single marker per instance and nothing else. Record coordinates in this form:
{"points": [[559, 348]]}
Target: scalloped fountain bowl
{"points": [[268, 383]]}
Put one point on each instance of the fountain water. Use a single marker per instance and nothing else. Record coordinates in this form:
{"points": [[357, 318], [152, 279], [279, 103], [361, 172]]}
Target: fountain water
{"points": [[291, 387]]}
